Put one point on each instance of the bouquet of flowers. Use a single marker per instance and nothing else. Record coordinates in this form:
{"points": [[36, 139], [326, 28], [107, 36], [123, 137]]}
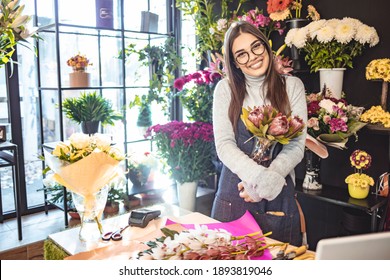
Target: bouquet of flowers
{"points": [[332, 121], [269, 126], [332, 43], [359, 183], [78, 63], [140, 167], [187, 148], [203, 243], [85, 164], [196, 93]]}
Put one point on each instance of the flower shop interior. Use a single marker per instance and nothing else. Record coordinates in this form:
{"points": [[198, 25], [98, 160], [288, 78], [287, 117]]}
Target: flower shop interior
{"points": [[151, 67]]}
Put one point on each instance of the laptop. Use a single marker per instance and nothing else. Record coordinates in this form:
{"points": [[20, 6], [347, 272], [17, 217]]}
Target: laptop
{"points": [[372, 246]]}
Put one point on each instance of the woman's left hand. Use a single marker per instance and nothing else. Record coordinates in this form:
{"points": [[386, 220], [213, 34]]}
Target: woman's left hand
{"points": [[243, 194]]}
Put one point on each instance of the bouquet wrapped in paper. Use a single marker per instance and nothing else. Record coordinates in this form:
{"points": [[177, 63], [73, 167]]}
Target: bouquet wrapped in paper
{"points": [[84, 164], [331, 121], [269, 127]]}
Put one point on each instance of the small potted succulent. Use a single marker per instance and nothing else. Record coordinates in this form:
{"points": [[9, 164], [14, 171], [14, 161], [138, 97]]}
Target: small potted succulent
{"points": [[90, 110]]}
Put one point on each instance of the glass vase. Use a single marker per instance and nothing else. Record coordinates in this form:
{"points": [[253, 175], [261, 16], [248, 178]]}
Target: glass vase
{"points": [[90, 210], [312, 176], [262, 151]]}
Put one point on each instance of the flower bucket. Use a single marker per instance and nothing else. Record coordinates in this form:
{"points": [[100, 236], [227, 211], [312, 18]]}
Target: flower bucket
{"points": [[358, 192], [332, 78], [79, 79], [186, 193], [296, 55]]}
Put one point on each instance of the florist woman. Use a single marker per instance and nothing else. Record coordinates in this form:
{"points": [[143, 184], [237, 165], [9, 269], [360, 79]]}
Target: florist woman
{"points": [[267, 192]]}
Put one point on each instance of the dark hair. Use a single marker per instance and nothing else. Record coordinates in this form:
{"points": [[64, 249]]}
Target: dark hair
{"points": [[275, 83]]}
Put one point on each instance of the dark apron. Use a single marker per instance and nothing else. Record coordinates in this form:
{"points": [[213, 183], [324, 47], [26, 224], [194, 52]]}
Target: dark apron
{"points": [[229, 206]]}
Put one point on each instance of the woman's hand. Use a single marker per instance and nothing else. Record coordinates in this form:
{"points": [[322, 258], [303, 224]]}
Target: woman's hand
{"points": [[243, 194]]}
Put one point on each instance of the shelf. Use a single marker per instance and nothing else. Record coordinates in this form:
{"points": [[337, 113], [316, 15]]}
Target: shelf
{"points": [[377, 129]]}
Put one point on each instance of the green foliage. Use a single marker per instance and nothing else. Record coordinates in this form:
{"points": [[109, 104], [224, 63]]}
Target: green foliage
{"points": [[90, 107], [331, 54], [13, 29], [115, 194], [163, 61], [205, 17]]}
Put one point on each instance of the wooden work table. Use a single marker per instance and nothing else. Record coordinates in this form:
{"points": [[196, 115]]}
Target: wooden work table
{"points": [[68, 240]]}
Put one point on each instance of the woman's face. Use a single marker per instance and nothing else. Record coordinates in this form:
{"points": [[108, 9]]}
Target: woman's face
{"points": [[250, 55]]}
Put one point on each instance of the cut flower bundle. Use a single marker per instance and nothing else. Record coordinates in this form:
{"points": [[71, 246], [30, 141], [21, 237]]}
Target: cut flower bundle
{"points": [[332, 121], [269, 126], [203, 243]]}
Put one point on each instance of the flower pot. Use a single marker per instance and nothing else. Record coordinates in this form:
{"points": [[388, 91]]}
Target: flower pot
{"points": [[357, 191], [79, 79], [332, 78], [186, 193], [297, 56], [111, 208], [90, 127]]}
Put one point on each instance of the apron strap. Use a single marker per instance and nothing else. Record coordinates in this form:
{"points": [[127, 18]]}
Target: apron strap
{"points": [[303, 223]]}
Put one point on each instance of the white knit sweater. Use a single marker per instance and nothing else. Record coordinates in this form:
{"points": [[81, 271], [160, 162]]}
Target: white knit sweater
{"points": [[260, 182]]}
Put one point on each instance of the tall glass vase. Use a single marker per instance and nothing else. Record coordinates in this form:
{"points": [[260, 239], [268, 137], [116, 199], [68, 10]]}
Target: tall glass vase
{"points": [[90, 210], [262, 151], [312, 176]]}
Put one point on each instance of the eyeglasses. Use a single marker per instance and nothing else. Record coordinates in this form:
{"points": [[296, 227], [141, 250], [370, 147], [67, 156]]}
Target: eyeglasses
{"points": [[257, 48]]}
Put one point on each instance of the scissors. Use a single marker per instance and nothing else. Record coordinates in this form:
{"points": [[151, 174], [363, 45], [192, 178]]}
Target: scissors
{"points": [[114, 235]]}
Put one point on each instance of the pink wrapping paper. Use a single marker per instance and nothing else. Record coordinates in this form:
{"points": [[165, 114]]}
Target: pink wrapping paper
{"points": [[242, 226]]}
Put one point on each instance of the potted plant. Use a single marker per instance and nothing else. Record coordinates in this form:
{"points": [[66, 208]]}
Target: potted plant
{"points": [[162, 61], [90, 109], [331, 45], [186, 149], [141, 168], [115, 195], [195, 91], [79, 77]]}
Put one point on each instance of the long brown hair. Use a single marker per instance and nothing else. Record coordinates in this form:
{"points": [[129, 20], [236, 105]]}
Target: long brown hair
{"points": [[276, 88]]}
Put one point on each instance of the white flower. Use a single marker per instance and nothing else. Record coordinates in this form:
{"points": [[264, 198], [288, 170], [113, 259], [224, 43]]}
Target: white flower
{"points": [[102, 141], [79, 140], [221, 24], [374, 39], [314, 26], [290, 37], [61, 147], [300, 38], [211, 30], [327, 104], [333, 22], [364, 34], [344, 32], [352, 21], [325, 34]]}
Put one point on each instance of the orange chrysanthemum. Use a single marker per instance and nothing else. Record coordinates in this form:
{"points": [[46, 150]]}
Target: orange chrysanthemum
{"points": [[274, 6]]}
